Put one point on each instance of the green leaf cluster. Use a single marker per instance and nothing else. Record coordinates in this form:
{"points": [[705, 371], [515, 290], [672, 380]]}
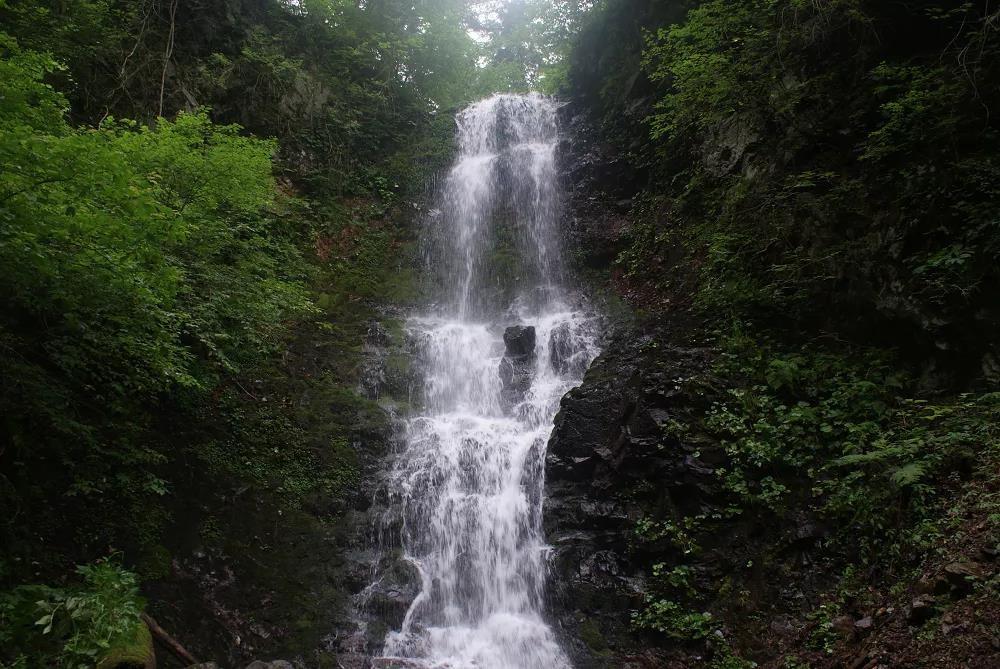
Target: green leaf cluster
{"points": [[823, 171], [141, 265], [74, 627], [841, 433]]}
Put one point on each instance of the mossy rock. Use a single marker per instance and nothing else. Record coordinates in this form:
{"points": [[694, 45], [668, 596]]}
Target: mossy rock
{"points": [[591, 635], [129, 653]]}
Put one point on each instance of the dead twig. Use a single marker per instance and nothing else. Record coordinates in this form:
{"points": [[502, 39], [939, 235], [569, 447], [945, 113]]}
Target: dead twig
{"points": [[170, 642]]}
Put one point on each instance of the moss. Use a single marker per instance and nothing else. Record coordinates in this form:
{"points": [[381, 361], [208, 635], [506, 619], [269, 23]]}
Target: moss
{"points": [[591, 635], [398, 364], [153, 561], [136, 651]]}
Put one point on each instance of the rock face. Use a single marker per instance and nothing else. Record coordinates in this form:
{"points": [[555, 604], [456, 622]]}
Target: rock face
{"points": [[608, 439], [518, 364], [564, 353], [629, 444]]}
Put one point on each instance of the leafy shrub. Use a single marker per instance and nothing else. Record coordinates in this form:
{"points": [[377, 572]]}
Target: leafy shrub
{"points": [[838, 428], [670, 618], [71, 627], [821, 176], [141, 265]]}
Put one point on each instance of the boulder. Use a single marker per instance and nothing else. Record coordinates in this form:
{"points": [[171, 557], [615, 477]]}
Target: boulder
{"points": [[938, 585], [135, 650], [519, 340], [961, 575], [517, 368], [561, 349], [921, 609]]}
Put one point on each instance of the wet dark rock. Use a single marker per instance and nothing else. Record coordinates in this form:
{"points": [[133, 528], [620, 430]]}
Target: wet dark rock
{"points": [[938, 585], [729, 146], [515, 378], [961, 572], [961, 576], [922, 609], [394, 592], [273, 664], [519, 340], [630, 443], [609, 440], [696, 466], [517, 368], [807, 531], [561, 349], [353, 661]]}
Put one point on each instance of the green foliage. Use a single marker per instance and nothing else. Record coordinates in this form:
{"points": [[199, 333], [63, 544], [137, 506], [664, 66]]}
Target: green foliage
{"points": [[824, 636], [526, 43], [283, 452], [141, 265], [823, 173], [819, 173], [25, 100], [725, 658], [678, 578], [343, 86], [158, 335], [677, 534], [839, 428], [707, 83], [670, 618], [72, 627]]}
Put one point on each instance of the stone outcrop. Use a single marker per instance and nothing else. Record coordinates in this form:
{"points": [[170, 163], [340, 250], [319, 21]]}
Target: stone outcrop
{"points": [[610, 439], [519, 340], [565, 354], [518, 364]]}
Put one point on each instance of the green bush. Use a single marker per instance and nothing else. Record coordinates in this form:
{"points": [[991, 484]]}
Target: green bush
{"points": [[141, 266], [75, 627], [840, 432], [819, 176], [670, 618]]}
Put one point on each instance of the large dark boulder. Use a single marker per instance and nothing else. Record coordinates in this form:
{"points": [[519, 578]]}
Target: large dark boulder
{"points": [[517, 368], [519, 340]]}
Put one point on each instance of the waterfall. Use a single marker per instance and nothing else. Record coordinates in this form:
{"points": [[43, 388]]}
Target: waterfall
{"points": [[506, 340]]}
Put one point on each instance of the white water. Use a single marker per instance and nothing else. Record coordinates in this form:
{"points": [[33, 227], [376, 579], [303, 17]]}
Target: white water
{"points": [[469, 483]]}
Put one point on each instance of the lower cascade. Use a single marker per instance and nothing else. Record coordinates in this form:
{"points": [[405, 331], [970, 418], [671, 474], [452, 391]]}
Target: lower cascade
{"points": [[505, 342]]}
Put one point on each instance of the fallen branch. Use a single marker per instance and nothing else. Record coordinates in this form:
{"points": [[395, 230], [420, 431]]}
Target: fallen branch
{"points": [[171, 643]]}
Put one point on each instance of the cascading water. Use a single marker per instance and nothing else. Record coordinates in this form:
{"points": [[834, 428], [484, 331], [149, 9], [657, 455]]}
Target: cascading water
{"points": [[468, 485]]}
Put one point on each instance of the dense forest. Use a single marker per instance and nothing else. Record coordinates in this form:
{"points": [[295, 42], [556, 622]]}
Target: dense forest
{"points": [[790, 212]]}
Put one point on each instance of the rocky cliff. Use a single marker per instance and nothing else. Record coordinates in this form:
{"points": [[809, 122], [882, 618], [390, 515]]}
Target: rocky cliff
{"points": [[657, 562]]}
